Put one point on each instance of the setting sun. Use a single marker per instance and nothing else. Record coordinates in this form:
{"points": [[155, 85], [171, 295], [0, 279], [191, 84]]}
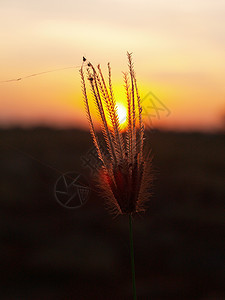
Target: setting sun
{"points": [[122, 113]]}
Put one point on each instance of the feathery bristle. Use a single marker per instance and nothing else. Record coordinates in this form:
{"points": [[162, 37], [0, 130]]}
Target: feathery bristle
{"points": [[105, 128], [92, 130], [129, 119], [111, 109], [130, 65]]}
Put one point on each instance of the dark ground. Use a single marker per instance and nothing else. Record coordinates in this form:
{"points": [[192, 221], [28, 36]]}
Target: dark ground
{"points": [[50, 252]]}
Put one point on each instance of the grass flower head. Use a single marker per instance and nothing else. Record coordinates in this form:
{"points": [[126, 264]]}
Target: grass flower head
{"points": [[125, 174]]}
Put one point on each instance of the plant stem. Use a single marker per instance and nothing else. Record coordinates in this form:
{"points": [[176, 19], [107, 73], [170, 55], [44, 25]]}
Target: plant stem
{"points": [[132, 257]]}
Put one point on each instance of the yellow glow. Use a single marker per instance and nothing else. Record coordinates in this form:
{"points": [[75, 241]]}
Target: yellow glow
{"points": [[122, 114]]}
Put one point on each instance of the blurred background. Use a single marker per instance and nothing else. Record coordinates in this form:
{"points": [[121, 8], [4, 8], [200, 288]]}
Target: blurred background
{"points": [[52, 252]]}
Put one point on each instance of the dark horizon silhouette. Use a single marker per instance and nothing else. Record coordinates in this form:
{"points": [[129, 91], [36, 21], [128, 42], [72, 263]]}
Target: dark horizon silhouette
{"points": [[50, 252]]}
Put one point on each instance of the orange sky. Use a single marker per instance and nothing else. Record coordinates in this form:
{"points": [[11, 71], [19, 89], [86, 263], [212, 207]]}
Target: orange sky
{"points": [[178, 49]]}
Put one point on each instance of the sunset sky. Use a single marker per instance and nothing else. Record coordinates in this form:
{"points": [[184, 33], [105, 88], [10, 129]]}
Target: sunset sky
{"points": [[178, 50]]}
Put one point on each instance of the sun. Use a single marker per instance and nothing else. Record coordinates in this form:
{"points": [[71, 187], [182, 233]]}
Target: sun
{"points": [[122, 113]]}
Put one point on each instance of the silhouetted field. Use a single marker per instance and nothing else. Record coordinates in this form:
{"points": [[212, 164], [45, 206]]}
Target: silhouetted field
{"points": [[50, 252]]}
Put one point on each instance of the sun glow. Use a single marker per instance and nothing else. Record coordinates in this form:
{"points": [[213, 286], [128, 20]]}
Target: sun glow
{"points": [[122, 114]]}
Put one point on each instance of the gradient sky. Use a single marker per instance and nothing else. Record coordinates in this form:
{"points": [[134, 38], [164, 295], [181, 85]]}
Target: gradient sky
{"points": [[178, 50]]}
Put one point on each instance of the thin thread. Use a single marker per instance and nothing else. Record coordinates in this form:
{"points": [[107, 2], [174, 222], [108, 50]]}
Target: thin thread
{"points": [[38, 74]]}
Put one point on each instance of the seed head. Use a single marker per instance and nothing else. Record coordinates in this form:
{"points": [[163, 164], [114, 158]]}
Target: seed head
{"points": [[125, 174]]}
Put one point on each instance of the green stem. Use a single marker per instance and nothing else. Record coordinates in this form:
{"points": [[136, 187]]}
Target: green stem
{"points": [[132, 257]]}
